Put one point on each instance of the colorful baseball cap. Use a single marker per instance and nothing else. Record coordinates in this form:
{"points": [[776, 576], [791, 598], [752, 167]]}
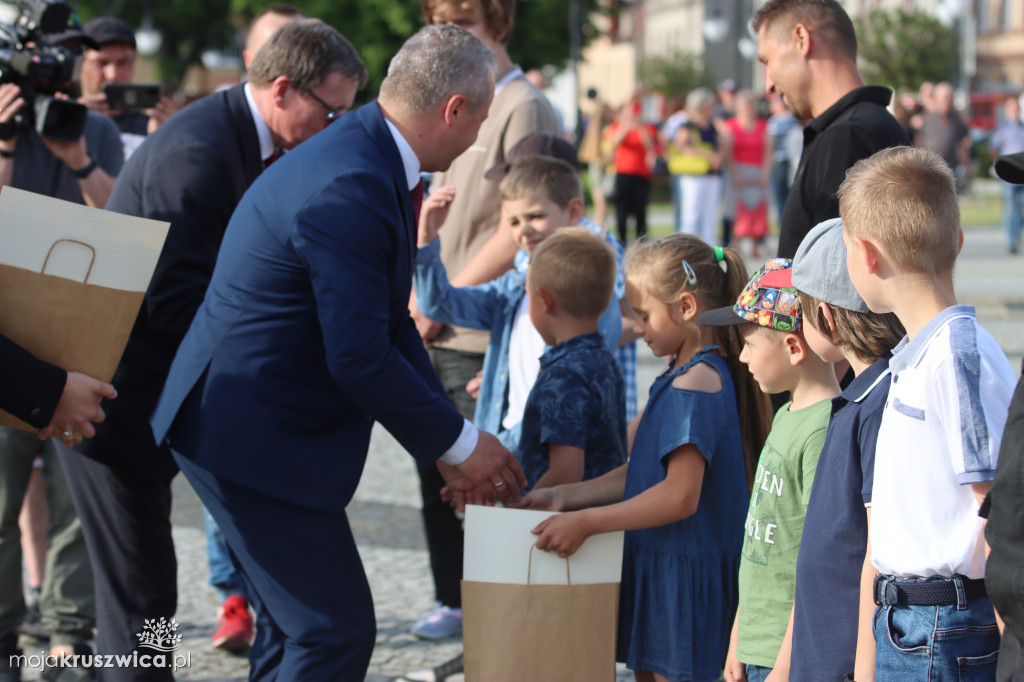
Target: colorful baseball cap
{"points": [[819, 269], [774, 307]]}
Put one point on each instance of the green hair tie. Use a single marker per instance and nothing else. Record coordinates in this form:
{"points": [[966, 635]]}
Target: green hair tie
{"points": [[719, 254]]}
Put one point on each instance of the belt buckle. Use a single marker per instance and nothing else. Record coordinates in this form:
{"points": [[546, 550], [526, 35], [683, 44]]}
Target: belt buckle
{"points": [[886, 591]]}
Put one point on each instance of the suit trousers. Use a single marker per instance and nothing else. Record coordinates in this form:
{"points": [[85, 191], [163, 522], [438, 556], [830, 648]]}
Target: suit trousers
{"points": [[67, 604], [304, 578], [127, 524]]}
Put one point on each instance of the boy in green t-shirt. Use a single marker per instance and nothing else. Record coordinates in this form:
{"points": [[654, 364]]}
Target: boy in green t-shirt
{"points": [[778, 357]]}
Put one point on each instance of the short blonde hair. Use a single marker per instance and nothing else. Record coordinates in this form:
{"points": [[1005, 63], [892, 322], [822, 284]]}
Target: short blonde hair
{"points": [[904, 199], [578, 268], [532, 174]]}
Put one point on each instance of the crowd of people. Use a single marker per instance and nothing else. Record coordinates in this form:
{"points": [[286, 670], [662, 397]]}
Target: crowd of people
{"points": [[312, 285]]}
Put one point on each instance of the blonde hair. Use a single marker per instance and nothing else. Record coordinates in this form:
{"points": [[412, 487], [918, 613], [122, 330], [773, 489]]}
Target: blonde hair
{"points": [[904, 200], [578, 268], [657, 268], [532, 174]]}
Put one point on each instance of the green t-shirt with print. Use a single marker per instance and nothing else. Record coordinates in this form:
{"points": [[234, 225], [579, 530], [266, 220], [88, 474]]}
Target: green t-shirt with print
{"points": [[775, 522]]}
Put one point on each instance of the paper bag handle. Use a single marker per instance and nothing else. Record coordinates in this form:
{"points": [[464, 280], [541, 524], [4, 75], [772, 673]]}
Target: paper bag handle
{"points": [[92, 259], [529, 568]]}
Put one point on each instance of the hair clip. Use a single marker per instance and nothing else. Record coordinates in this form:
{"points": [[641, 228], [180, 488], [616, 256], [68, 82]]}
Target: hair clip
{"points": [[719, 254], [691, 276]]}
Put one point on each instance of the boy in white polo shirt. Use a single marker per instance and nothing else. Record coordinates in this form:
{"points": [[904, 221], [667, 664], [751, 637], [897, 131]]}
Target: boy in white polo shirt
{"points": [[941, 425]]}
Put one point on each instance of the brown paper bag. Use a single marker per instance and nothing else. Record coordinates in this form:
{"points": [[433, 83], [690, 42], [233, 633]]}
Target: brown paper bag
{"points": [[72, 279], [75, 325], [539, 633]]}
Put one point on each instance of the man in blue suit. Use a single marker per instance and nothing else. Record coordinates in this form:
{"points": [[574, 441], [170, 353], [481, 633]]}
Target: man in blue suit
{"points": [[304, 340], [192, 172]]}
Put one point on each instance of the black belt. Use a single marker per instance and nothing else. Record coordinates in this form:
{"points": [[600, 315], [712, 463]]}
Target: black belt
{"points": [[938, 592]]}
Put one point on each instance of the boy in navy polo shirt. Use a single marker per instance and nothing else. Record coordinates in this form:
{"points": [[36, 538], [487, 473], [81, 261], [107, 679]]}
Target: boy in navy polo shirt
{"points": [[574, 422], [837, 326]]}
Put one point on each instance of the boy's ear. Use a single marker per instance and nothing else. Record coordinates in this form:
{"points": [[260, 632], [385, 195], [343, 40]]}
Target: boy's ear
{"points": [[796, 348], [868, 254], [960, 243], [830, 320], [546, 298], [575, 210]]}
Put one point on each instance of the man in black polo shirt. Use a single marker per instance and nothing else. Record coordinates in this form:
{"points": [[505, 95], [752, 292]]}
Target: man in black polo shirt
{"points": [[809, 50]]}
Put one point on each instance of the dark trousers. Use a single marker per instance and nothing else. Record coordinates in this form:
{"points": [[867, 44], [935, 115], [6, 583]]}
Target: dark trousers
{"points": [[631, 194], [443, 529], [126, 521], [304, 578]]}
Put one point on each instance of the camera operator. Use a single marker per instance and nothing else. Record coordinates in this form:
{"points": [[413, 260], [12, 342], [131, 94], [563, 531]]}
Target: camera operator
{"points": [[82, 170], [113, 61]]}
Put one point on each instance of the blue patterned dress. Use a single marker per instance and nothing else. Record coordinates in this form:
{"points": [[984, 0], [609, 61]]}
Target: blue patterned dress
{"points": [[679, 590]]}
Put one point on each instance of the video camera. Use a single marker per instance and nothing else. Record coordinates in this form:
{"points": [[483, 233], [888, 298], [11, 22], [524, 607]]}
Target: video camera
{"points": [[33, 57]]}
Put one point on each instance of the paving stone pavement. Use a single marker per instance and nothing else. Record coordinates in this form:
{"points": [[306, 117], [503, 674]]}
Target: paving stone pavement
{"points": [[385, 511]]}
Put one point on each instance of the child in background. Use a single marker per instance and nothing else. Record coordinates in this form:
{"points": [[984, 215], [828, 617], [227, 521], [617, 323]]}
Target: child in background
{"points": [[680, 497], [833, 550], [539, 195], [574, 425], [939, 438], [777, 355]]}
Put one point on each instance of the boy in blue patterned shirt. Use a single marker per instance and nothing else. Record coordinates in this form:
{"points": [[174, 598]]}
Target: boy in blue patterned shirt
{"points": [[574, 424]]}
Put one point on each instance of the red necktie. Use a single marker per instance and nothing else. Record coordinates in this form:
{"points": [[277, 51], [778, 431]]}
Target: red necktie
{"points": [[272, 158], [416, 194]]}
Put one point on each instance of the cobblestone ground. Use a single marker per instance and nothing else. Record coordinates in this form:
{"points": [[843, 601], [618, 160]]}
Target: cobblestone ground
{"points": [[385, 512]]}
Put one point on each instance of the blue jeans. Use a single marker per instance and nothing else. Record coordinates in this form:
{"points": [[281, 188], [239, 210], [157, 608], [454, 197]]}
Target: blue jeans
{"points": [[223, 574], [1013, 196], [757, 673], [955, 643]]}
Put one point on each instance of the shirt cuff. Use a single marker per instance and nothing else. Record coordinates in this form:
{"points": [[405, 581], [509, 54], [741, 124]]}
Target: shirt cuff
{"points": [[464, 445]]}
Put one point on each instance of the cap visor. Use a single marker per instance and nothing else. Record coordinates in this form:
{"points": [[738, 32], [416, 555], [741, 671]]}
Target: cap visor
{"points": [[497, 172], [1010, 167], [722, 317]]}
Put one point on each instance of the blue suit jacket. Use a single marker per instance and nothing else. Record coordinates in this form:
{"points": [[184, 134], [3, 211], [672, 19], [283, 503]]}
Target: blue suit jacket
{"points": [[304, 338], [191, 172]]}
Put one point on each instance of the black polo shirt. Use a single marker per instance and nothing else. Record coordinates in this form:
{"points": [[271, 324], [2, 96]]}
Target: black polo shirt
{"points": [[854, 128]]}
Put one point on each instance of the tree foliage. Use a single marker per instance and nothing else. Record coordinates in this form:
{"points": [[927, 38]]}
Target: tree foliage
{"points": [[904, 49], [377, 28], [676, 74]]}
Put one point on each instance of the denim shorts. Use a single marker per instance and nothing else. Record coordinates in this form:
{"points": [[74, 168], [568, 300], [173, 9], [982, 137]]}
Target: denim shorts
{"points": [[757, 673], [955, 643]]}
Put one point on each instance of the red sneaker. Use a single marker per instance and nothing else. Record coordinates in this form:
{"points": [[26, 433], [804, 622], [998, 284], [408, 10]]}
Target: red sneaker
{"points": [[234, 625]]}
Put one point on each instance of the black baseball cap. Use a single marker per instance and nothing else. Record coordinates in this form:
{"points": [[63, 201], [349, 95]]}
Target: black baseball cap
{"points": [[110, 31], [1010, 167]]}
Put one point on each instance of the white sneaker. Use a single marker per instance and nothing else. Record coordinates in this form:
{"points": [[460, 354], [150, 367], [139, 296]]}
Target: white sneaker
{"points": [[440, 623]]}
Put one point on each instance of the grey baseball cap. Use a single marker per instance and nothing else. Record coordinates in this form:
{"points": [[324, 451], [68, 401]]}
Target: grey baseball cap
{"points": [[819, 268]]}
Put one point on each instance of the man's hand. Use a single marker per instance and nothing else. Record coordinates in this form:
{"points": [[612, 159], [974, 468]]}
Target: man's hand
{"points": [[433, 213], [78, 407], [491, 473], [96, 102], [11, 102], [161, 112]]}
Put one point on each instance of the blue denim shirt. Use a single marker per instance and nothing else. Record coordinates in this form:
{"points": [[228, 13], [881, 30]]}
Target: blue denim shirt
{"points": [[579, 400], [490, 306]]}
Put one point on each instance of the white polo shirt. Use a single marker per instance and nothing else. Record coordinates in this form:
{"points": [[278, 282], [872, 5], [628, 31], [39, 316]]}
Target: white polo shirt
{"points": [[940, 432]]}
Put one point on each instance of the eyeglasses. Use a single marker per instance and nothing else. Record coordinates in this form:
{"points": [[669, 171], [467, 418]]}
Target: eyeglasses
{"points": [[332, 113]]}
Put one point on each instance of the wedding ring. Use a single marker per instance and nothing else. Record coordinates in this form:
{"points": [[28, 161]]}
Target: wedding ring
{"points": [[499, 484], [69, 434]]}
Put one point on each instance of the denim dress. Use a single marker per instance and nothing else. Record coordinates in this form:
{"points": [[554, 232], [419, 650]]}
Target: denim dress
{"points": [[679, 580]]}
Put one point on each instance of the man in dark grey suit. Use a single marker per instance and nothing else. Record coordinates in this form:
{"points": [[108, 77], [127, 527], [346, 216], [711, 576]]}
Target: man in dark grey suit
{"points": [[191, 172]]}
